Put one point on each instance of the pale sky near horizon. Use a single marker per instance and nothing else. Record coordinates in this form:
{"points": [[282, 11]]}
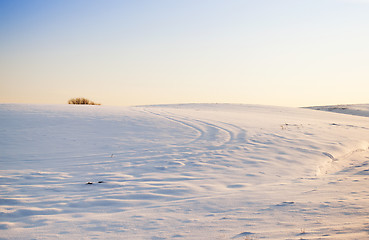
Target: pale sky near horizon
{"points": [[274, 52]]}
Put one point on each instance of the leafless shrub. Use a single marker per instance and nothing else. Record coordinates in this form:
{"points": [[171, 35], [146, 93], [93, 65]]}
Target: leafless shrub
{"points": [[82, 101]]}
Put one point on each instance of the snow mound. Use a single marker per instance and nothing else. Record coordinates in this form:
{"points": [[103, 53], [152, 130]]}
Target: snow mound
{"points": [[351, 109]]}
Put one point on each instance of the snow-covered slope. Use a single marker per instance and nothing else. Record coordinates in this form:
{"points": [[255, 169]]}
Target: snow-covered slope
{"points": [[193, 171], [351, 109]]}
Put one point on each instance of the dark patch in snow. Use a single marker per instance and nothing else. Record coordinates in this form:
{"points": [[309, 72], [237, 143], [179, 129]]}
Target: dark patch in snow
{"points": [[90, 183], [285, 204]]}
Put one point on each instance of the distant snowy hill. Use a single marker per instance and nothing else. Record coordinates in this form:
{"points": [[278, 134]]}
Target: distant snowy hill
{"points": [[351, 109], [190, 171]]}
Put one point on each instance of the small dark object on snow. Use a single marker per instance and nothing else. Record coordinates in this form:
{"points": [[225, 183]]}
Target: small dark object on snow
{"points": [[100, 182], [89, 183], [285, 204]]}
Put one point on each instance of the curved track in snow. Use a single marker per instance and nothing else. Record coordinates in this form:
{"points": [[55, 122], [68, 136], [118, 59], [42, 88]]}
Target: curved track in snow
{"points": [[218, 134]]}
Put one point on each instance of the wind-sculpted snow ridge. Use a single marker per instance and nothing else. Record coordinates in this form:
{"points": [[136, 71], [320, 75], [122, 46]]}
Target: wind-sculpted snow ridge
{"points": [[189, 171], [351, 109]]}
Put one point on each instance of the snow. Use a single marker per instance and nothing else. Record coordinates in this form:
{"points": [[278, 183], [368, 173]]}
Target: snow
{"points": [[351, 109], [190, 171]]}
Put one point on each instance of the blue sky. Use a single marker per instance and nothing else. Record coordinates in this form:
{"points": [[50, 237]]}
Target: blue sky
{"points": [[275, 52]]}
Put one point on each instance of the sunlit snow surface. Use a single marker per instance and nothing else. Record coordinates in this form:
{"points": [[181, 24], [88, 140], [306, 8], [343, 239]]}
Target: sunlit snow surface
{"points": [[357, 109], [194, 171]]}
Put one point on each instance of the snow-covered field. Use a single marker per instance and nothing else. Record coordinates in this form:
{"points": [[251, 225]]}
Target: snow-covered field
{"points": [[194, 171]]}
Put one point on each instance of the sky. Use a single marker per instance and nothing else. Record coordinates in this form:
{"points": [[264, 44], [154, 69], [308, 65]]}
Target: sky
{"points": [[273, 52]]}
